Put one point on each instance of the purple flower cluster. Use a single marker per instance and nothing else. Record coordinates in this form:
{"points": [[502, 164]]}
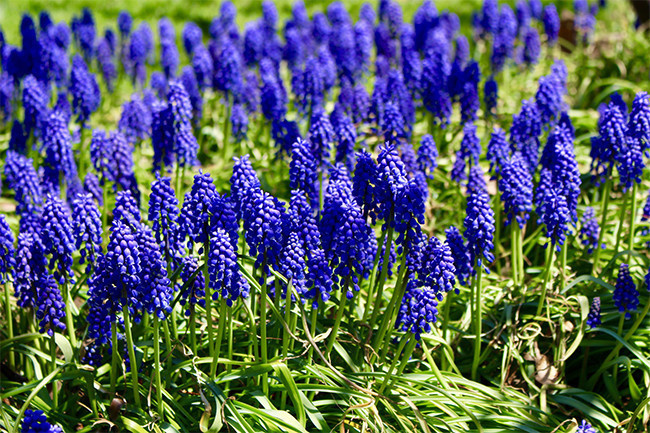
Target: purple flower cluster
{"points": [[626, 296], [590, 230]]}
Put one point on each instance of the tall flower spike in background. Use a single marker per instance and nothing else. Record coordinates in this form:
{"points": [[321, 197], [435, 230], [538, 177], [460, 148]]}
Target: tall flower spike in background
{"points": [[590, 230], [626, 296], [593, 319], [86, 95], [7, 261], [58, 239], [87, 229]]}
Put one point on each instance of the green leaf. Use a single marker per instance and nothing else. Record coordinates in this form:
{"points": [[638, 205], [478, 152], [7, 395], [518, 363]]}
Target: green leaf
{"points": [[65, 346], [292, 390], [133, 426]]}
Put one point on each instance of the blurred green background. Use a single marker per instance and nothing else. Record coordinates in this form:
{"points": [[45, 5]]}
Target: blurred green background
{"points": [[180, 11]]}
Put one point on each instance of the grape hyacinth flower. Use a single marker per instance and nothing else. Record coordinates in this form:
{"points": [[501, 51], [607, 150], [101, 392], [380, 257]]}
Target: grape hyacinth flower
{"points": [[58, 240], [35, 101], [191, 285], [345, 235], [263, 229], [551, 21], [427, 156], [479, 228], [516, 186], [590, 230], [504, 39], [107, 64], [525, 132], [585, 427], [292, 265], [135, 120], [549, 98], [611, 140], [346, 134], [638, 127], [7, 261], [365, 185], [460, 254], [300, 220], [243, 180], [36, 421], [124, 24], [303, 174], [203, 67], [154, 293], [239, 122], [192, 37], [626, 296], [435, 73], [321, 136], [498, 151], [552, 209], [169, 59], [87, 229], [194, 216], [30, 268], [490, 96], [227, 281], [91, 186], [469, 153], [559, 158], [418, 310], [57, 143], [85, 91], [532, 47], [51, 308], [23, 180], [188, 80], [593, 319]]}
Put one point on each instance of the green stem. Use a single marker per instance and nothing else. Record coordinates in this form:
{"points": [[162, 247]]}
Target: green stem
{"points": [[226, 128], [193, 330], [220, 331], [621, 322], [285, 339], [619, 345], [632, 220], [603, 221], [563, 259], [69, 322], [263, 345], [113, 356], [393, 364], [168, 346], [515, 233], [156, 354], [446, 307], [105, 208], [230, 341], [10, 322], [55, 386], [339, 316], [621, 218], [208, 297], [405, 359], [382, 277], [314, 316], [604, 206], [547, 276], [391, 312], [497, 227], [373, 277], [132, 359], [478, 321]]}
